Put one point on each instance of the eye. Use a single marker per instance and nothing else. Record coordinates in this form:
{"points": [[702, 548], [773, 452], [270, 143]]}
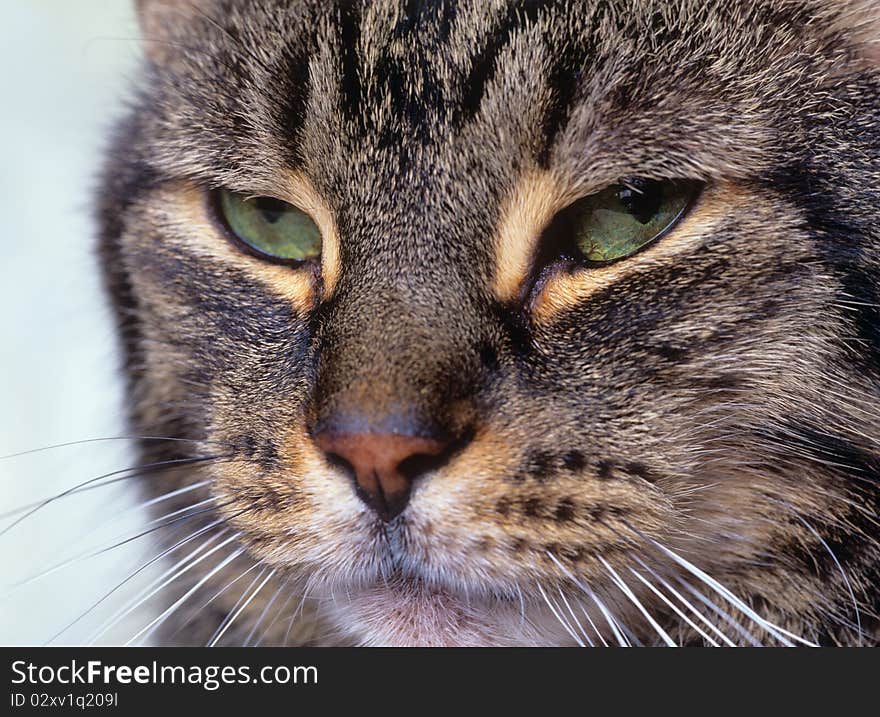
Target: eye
{"points": [[269, 227], [622, 219]]}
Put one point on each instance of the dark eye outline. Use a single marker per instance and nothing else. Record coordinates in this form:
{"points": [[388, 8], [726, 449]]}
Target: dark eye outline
{"points": [[218, 217], [557, 249]]}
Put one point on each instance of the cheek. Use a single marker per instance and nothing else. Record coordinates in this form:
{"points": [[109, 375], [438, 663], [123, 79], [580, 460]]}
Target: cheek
{"points": [[719, 296], [212, 312], [185, 271], [292, 508], [730, 237]]}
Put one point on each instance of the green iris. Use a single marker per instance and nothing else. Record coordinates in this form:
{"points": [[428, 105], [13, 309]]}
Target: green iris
{"points": [[620, 220], [270, 227]]}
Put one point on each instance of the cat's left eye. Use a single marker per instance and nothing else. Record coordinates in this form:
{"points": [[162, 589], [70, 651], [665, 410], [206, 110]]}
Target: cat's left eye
{"points": [[623, 218], [269, 227]]}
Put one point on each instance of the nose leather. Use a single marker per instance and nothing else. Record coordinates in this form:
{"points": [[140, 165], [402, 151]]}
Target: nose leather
{"points": [[384, 464]]}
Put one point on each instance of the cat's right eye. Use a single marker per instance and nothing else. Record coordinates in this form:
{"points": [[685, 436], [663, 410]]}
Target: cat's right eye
{"points": [[623, 218], [268, 227]]}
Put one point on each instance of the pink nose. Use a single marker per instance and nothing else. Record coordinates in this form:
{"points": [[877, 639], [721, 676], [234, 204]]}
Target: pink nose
{"points": [[384, 465]]}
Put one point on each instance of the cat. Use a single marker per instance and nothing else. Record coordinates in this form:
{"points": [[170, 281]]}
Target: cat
{"points": [[522, 322]]}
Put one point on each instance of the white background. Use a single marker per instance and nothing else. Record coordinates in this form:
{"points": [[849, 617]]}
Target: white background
{"points": [[65, 70]]}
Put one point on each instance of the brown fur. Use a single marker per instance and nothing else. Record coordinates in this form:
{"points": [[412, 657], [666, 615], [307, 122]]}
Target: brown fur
{"points": [[716, 394]]}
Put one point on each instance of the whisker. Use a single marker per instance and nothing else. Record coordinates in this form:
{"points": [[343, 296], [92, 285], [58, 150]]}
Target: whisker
{"points": [[118, 438], [593, 624], [559, 617], [134, 471], [639, 606], [199, 504], [101, 551], [610, 619], [168, 496], [522, 607], [221, 591], [188, 562], [139, 506], [687, 604], [606, 613], [290, 595], [132, 575], [156, 622], [298, 611], [265, 611], [216, 639], [778, 632], [575, 618], [238, 602], [723, 614], [672, 606]]}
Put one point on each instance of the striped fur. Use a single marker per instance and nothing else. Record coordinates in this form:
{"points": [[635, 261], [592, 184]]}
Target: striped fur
{"points": [[716, 395]]}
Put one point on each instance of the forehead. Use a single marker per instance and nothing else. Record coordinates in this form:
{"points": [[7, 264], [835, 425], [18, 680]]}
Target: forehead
{"points": [[401, 94]]}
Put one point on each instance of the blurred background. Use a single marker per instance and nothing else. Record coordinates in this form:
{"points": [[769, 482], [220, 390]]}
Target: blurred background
{"points": [[66, 70]]}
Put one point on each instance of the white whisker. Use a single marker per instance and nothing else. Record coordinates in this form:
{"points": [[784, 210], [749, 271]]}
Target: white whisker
{"points": [[156, 622], [278, 613], [559, 617], [778, 632], [592, 624], [100, 551], [672, 606], [621, 639], [682, 599], [241, 597], [610, 619], [164, 580], [241, 609], [575, 618], [722, 613], [195, 611], [131, 575], [639, 606]]}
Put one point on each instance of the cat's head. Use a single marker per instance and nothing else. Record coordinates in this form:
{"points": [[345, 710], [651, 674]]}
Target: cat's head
{"points": [[519, 318]]}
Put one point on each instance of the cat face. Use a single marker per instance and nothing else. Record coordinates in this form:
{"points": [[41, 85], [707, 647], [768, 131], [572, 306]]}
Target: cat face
{"points": [[447, 424]]}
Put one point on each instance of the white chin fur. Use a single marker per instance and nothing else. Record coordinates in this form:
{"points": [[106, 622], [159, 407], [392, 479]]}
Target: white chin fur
{"points": [[410, 615]]}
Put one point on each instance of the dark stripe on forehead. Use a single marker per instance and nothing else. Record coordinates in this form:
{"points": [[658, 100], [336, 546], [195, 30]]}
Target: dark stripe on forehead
{"points": [[440, 13], [349, 19], [564, 80], [295, 99], [404, 77], [518, 14], [399, 73]]}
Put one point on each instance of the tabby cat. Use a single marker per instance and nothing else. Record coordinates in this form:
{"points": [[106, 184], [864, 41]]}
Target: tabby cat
{"points": [[508, 322]]}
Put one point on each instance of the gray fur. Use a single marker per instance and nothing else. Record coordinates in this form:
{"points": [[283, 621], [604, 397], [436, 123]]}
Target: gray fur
{"points": [[720, 398]]}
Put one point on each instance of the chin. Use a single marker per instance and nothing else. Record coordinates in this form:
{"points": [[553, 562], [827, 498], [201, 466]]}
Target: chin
{"points": [[407, 613]]}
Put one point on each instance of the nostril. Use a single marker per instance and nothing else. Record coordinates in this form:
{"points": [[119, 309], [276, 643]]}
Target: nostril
{"points": [[384, 466], [419, 464], [337, 461]]}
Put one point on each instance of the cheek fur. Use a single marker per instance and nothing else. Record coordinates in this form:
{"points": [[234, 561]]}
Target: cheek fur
{"points": [[688, 432]]}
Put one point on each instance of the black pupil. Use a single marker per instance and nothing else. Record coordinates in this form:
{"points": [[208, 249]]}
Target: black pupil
{"points": [[272, 209], [642, 198]]}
